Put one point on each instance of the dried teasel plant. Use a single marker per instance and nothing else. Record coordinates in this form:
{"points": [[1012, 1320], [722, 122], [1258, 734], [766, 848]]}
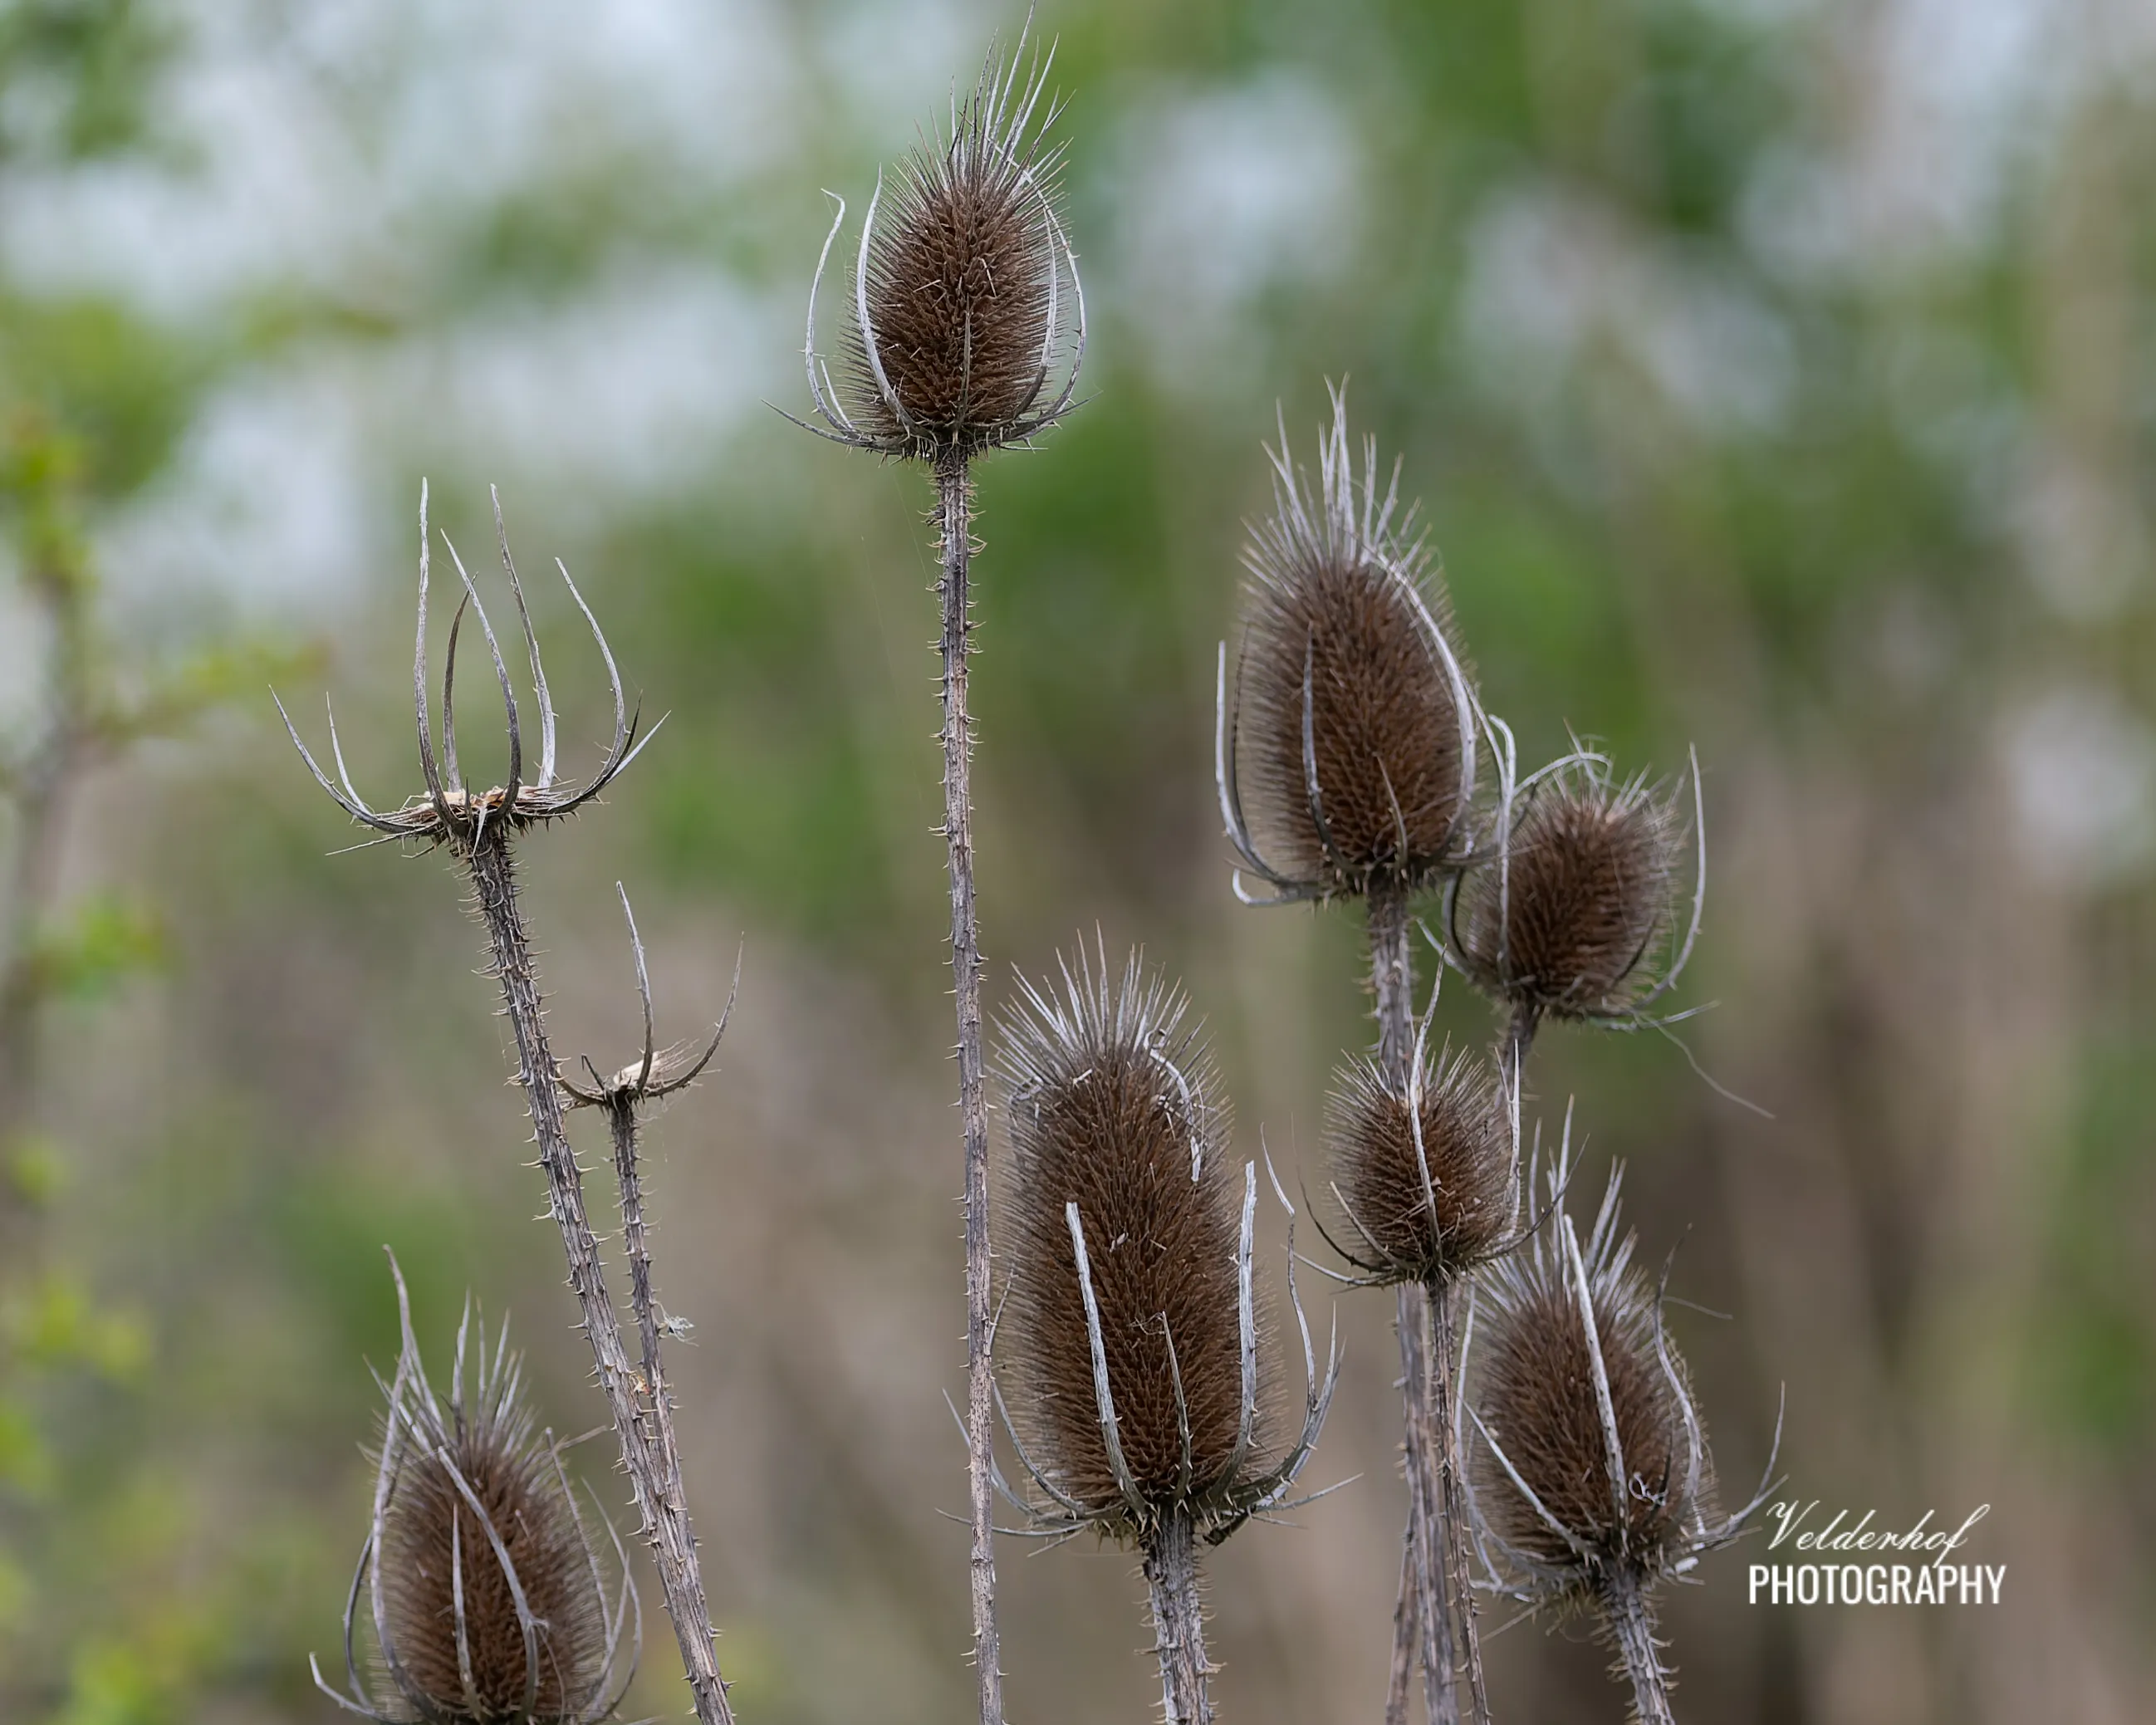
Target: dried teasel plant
{"points": [[1345, 752], [488, 1601], [1592, 1482], [1425, 1173], [478, 827], [1344, 758], [962, 339], [1572, 913], [1132, 1329]]}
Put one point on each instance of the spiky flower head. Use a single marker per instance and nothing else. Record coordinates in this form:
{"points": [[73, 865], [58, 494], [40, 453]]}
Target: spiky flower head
{"points": [[1346, 757], [488, 1601], [1132, 1332], [1589, 1469], [966, 324], [1424, 1168], [1574, 914]]}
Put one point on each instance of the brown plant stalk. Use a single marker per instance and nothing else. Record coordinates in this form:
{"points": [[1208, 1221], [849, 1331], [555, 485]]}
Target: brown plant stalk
{"points": [[478, 829], [959, 321]]}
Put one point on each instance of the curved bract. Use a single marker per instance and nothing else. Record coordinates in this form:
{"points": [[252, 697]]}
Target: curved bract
{"points": [[448, 811]]}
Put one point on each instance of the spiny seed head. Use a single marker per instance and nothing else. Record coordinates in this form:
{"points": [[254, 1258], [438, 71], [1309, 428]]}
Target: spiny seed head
{"points": [[488, 1602], [1621, 1486], [1568, 923], [965, 326], [1353, 746], [1114, 1106], [1430, 1212]]}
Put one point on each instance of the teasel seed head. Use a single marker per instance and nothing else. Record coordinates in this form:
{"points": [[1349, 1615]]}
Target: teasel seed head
{"points": [[448, 811], [1572, 912], [966, 328], [1133, 1332], [489, 1603], [1424, 1170], [1589, 1470], [1345, 751]]}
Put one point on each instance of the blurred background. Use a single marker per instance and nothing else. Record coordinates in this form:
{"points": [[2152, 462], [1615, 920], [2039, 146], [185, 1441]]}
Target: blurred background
{"points": [[1777, 376]]}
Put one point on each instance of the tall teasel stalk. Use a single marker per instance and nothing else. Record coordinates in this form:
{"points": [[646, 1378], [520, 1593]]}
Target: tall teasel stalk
{"points": [[1345, 757], [1592, 1482], [479, 828], [1133, 1327], [962, 339]]}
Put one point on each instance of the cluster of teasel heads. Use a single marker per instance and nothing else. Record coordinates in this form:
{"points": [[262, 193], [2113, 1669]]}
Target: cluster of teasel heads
{"points": [[1345, 761], [1133, 1329]]}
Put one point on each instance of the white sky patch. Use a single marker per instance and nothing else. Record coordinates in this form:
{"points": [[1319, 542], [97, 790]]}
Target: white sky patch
{"points": [[264, 504], [1226, 194], [2080, 770], [631, 390], [897, 67], [310, 147], [1932, 110], [1554, 280]]}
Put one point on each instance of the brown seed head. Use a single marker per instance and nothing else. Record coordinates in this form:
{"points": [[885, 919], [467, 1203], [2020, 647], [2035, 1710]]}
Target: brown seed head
{"points": [[1620, 1484], [1569, 922], [1114, 1107], [488, 1603], [960, 311], [1352, 753], [1430, 1210]]}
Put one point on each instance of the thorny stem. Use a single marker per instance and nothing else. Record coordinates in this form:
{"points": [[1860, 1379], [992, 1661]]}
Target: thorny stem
{"points": [[1422, 1623], [953, 501], [1170, 1570], [1519, 1037], [1453, 1505], [648, 1453], [1631, 1625]]}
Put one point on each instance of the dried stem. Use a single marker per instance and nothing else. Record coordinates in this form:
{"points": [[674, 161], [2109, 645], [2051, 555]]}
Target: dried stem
{"points": [[1422, 1623], [1519, 1037], [954, 499], [648, 1453], [1631, 1625], [1171, 1569], [1452, 1497]]}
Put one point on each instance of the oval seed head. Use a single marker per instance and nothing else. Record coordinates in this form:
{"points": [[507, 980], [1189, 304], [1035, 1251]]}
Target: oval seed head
{"points": [[1114, 1106], [1425, 1212], [1623, 1485], [1353, 751], [960, 311], [1568, 924], [468, 1488]]}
